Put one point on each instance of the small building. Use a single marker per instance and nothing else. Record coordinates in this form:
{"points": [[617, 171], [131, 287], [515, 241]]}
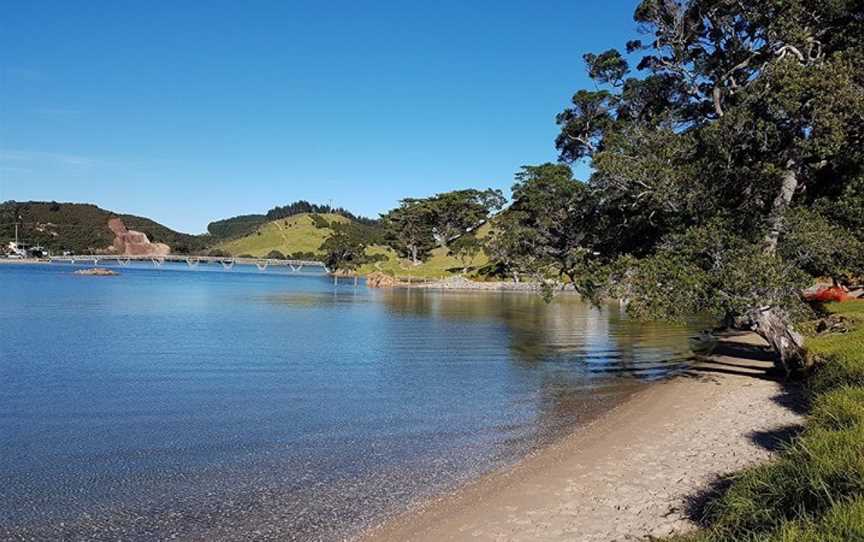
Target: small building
{"points": [[25, 250]]}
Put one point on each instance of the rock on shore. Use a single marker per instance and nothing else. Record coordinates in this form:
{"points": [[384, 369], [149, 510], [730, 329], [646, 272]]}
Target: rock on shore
{"points": [[380, 280]]}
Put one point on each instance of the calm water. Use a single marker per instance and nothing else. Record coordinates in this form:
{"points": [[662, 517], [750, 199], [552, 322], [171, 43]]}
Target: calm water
{"points": [[245, 405]]}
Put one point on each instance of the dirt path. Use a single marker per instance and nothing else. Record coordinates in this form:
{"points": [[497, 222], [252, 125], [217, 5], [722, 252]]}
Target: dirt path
{"points": [[637, 471]]}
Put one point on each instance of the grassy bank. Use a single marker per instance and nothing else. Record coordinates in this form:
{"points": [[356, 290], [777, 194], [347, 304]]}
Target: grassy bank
{"points": [[814, 490]]}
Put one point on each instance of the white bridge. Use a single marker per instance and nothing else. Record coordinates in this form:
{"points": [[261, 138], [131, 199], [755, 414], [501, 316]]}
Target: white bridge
{"points": [[191, 261]]}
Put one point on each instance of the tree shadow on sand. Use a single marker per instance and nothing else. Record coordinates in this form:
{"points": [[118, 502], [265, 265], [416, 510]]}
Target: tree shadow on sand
{"points": [[737, 356]]}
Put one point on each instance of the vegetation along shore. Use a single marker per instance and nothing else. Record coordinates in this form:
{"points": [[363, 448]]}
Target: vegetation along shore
{"points": [[726, 153]]}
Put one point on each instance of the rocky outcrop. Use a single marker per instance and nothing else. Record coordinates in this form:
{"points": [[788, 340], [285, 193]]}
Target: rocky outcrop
{"points": [[134, 243], [380, 280]]}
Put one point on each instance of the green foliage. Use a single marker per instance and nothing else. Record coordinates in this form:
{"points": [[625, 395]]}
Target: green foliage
{"points": [[820, 247], [344, 249], [238, 226], [319, 221], [542, 233], [275, 255], [466, 249], [461, 212], [301, 207], [417, 226], [409, 229], [82, 228], [709, 270]]}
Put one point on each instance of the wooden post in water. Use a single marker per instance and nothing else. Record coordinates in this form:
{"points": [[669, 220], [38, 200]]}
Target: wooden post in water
{"points": [[335, 279], [355, 281]]}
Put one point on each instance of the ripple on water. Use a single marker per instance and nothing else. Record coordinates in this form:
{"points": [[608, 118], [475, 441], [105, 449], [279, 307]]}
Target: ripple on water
{"points": [[210, 405]]}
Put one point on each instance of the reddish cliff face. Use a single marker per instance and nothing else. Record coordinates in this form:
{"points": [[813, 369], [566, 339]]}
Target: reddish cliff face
{"points": [[134, 243]]}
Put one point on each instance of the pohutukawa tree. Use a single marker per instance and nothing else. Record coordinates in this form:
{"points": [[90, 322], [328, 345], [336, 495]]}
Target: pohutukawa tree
{"points": [[417, 226], [728, 172], [345, 248], [540, 234]]}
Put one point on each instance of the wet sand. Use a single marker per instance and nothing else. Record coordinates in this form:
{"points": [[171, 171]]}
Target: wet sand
{"points": [[640, 470]]}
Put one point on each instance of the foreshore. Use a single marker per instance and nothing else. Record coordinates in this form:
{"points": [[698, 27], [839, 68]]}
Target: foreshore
{"points": [[640, 470]]}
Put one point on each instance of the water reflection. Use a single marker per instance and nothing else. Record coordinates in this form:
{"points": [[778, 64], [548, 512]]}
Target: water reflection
{"points": [[201, 405], [568, 330]]}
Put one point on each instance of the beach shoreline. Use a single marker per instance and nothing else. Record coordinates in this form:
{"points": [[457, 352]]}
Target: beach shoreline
{"points": [[638, 470]]}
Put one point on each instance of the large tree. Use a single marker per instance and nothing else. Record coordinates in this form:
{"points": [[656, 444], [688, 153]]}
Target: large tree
{"points": [[345, 248], [541, 233], [745, 112], [418, 225]]}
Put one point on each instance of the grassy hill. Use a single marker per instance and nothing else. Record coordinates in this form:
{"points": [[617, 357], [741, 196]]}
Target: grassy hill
{"points": [[298, 233], [290, 235], [83, 228]]}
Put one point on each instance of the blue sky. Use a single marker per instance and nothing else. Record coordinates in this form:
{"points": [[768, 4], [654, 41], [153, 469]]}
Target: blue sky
{"points": [[187, 112]]}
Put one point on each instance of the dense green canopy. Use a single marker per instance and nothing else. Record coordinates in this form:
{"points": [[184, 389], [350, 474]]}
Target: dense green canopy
{"points": [[726, 171]]}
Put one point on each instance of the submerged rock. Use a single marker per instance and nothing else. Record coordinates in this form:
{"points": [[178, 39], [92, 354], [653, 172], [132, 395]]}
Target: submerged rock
{"points": [[97, 272]]}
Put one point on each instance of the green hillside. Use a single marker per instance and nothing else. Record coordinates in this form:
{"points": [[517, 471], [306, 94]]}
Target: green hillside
{"points": [[290, 235], [83, 228], [299, 234]]}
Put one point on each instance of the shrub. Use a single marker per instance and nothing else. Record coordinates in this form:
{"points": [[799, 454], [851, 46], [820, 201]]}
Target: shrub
{"points": [[275, 255]]}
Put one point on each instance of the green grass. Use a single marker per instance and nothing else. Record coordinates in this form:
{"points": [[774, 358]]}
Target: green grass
{"points": [[437, 266], [814, 490], [844, 353], [844, 522], [289, 235], [299, 234]]}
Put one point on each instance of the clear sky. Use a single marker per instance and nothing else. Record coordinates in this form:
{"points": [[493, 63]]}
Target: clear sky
{"points": [[187, 112]]}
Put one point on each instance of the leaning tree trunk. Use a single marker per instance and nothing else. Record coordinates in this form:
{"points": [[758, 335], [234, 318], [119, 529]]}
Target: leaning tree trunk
{"points": [[773, 325], [788, 186]]}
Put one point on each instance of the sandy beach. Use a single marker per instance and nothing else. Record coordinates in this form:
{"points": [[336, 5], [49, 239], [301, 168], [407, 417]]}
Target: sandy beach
{"points": [[640, 470]]}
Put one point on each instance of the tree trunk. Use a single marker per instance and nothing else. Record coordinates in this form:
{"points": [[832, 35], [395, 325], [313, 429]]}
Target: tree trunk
{"points": [[773, 325], [414, 256], [779, 207]]}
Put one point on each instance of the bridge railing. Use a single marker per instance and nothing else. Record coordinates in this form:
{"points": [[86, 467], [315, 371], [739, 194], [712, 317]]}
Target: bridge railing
{"points": [[191, 261]]}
